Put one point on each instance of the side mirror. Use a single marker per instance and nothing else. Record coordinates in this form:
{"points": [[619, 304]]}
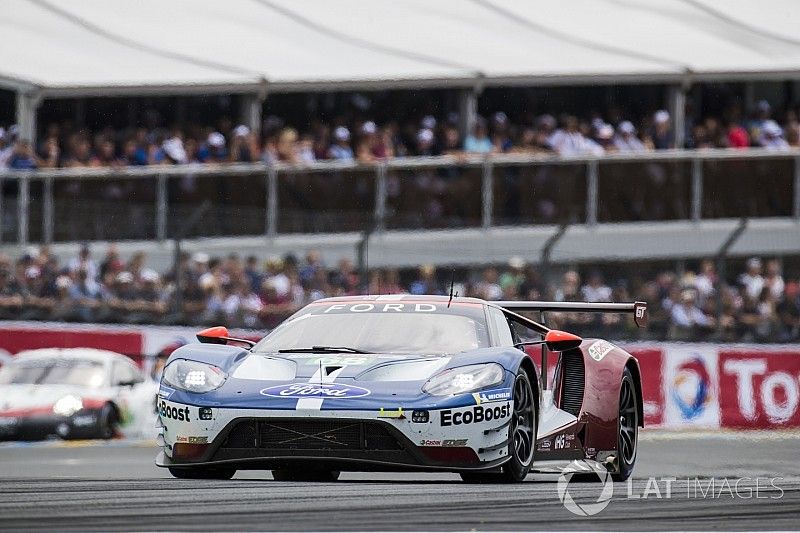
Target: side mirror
{"points": [[220, 335], [215, 335], [561, 341]]}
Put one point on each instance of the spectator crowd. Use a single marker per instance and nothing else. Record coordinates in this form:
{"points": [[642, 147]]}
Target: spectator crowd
{"points": [[365, 141], [758, 305]]}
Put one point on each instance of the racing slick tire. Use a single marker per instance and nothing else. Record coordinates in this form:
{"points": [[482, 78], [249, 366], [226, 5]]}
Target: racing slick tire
{"points": [[107, 422], [627, 427], [202, 473], [521, 437], [304, 474]]}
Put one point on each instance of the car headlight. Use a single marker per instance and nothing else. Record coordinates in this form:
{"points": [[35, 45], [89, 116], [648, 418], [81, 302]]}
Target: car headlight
{"points": [[464, 379], [193, 376], [68, 405]]}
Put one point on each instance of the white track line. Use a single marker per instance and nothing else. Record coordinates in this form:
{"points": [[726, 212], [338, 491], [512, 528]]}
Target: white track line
{"points": [[652, 435]]}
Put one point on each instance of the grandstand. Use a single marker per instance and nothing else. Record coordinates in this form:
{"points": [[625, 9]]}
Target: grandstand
{"points": [[633, 142]]}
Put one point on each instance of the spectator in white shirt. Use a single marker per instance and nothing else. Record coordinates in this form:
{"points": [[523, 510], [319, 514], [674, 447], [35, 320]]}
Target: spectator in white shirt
{"points": [[595, 289], [706, 280], [774, 280], [686, 316], [570, 141], [84, 262], [341, 149], [626, 140], [751, 281], [772, 137]]}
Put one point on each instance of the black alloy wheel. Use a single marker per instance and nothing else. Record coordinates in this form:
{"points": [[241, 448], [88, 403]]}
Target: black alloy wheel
{"points": [[521, 437], [627, 427]]}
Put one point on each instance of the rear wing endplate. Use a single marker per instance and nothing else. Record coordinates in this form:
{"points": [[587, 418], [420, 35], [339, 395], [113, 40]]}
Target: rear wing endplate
{"points": [[637, 309]]}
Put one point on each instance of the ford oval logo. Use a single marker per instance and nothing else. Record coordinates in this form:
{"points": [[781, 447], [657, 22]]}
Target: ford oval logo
{"points": [[315, 390]]}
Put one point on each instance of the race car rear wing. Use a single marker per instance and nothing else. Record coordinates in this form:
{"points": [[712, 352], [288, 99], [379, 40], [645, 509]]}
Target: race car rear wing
{"points": [[638, 309]]}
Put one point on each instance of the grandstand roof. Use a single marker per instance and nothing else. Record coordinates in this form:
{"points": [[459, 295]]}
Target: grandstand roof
{"points": [[179, 46]]}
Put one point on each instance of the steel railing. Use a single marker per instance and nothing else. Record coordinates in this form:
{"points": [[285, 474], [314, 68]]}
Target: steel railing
{"points": [[690, 168]]}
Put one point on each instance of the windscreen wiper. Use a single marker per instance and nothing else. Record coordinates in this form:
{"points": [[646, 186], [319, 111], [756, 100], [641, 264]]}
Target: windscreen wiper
{"points": [[329, 349]]}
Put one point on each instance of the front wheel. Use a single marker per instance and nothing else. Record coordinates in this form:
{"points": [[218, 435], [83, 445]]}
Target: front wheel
{"points": [[107, 422], [627, 427], [521, 437], [202, 473]]}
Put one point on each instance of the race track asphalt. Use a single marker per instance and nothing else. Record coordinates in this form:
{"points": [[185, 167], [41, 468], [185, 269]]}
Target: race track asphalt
{"points": [[115, 487]]}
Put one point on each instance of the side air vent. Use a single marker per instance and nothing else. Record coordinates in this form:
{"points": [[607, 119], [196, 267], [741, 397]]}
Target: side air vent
{"points": [[572, 391]]}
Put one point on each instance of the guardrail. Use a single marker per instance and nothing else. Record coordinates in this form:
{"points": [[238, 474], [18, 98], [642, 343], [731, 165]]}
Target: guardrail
{"points": [[405, 193]]}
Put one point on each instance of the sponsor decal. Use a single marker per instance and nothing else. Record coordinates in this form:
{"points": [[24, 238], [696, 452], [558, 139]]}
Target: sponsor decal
{"points": [[545, 444], [315, 390], [382, 308], [388, 413], [343, 361], [180, 414], [560, 442], [600, 349], [191, 440], [165, 392], [495, 395], [84, 420], [474, 415], [447, 443]]}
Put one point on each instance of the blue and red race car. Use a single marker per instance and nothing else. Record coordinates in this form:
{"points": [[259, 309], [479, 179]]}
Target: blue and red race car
{"points": [[401, 382]]}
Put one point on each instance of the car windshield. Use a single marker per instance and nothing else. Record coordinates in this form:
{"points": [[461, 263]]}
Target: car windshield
{"points": [[376, 327], [79, 372]]}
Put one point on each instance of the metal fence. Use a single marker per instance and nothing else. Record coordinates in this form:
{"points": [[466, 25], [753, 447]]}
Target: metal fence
{"points": [[407, 193]]}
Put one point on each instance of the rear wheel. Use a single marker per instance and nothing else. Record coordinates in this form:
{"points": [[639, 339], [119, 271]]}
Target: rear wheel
{"points": [[202, 473], [521, 437], [304, 474], [627, 427]]}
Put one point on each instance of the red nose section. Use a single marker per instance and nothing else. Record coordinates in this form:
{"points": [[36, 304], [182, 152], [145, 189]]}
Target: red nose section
{"points": [[215, 335], [561, 341]]}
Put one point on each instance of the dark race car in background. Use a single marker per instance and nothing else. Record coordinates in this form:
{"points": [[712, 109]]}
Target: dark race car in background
{"points": [[402, 382]]}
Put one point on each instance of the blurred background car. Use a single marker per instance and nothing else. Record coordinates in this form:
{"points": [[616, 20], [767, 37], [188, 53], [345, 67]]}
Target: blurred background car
{"points": [[75, 393]]}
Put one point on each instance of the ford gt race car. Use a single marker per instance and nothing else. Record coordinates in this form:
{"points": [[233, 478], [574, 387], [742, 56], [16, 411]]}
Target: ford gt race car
{"points": [[400, 382]]}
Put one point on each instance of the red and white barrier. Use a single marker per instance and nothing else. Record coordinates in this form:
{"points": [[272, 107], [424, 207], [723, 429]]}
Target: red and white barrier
{"points": [[717, 385], [684, 385]]}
